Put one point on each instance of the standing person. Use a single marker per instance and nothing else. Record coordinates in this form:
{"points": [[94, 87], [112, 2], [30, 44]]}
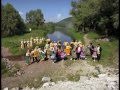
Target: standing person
{"points": [[82, 54], [91, 47], [68, 49], [58, 55], [78, 50], [35, 55], [99, 49], [27, 58], [94, 55]]}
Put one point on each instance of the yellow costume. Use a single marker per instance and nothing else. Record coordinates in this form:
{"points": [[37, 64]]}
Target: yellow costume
{"points": [[36, 53], [68, 49]]}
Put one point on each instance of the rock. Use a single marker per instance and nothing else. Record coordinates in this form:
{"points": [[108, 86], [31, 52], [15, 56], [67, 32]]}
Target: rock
{"points": [[5, 88], [16, 88], [102, 75], [83, 78], [26, 88], [46, 79], [48, 84]]}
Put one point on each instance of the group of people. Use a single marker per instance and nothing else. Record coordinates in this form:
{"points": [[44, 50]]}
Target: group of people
{"points": [[57, 51], [31, 42]]}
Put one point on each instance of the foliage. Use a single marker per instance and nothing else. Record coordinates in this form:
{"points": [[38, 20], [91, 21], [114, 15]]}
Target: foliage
{"points": [[50, 27], [98, 15], [34, 19], [12, 23]]}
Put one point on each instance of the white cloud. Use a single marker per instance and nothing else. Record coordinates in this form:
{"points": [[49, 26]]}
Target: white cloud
{"points": [[59, 16], [21, 13]]}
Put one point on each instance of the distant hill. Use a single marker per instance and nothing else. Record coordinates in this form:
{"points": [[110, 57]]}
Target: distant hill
{"points": [[66, 23]]}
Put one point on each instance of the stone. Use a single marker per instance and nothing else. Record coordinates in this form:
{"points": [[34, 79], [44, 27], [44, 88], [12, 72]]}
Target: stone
{"points": [[102, 75], [83, 78], [46, 79], [5, 88]]}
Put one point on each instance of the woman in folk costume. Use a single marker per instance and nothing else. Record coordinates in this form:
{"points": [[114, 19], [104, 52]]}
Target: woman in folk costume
{"points": [[94, 55], [28, 44], [82, 54], [27, 57], [78, 51], [63, 55], [22, 45], [36, 54], [41, 54], [73, 54], [75, 43], [51, 48], [68, 49]]}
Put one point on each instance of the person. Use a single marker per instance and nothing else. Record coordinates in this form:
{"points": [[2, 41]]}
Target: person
{"points": [[58, 55], [22, 45], [78, 50], [73, 54], [94, 54], [53, 56], [91, 47], [63, 55], [41, 54], [27, 58], [99, 49], [35, 55], [82, 54], [68, 49]]}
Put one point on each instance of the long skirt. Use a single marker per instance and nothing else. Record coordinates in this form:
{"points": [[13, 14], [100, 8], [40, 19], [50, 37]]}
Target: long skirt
{"points": [[42, 56]]}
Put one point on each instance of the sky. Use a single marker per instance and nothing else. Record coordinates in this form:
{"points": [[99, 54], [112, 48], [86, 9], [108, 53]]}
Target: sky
{"points": [[53, 10]]}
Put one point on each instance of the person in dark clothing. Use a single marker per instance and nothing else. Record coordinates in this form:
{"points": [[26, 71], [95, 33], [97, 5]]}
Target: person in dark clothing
{"points": [[99, 49], [91, 47], [58, 55]]}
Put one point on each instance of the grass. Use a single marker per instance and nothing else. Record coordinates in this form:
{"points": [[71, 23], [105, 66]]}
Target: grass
{"points": [[13, 43], [93, 35], [76, 35]]}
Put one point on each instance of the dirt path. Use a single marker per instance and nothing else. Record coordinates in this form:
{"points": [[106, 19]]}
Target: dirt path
{"points": [[86, 39], [5, 52]]}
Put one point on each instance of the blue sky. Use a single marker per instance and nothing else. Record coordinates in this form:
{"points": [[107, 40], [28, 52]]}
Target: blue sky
{"points": [[53, 10]]}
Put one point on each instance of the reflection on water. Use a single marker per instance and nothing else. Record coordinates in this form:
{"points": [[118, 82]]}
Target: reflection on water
{"points": [[57, 35]]}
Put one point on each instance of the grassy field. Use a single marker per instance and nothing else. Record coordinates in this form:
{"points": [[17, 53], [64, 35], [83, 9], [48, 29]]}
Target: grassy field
{"points": [[13, 43]]}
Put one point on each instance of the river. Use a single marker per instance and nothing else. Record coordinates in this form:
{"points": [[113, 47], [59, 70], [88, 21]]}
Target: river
{"points": [[58, 35]]}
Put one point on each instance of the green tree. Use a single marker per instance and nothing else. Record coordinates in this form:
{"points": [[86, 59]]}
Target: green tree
{"points": [[98, 15], [12, 23], [35, 19]]}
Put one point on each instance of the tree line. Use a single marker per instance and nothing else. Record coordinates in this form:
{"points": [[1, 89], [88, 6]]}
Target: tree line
{"points": [[13, 24], [101, 16]]}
